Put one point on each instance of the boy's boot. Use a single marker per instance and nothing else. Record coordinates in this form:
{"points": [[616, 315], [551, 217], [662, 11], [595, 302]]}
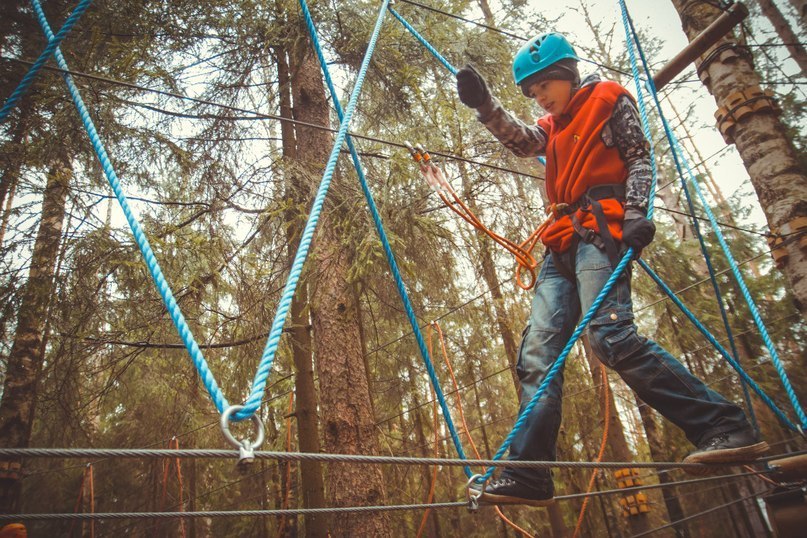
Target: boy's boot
{"points": [[740, 446], [506, 490]]}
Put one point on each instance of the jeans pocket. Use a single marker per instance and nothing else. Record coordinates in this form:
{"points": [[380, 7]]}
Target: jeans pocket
{"points": [[520, 359]]}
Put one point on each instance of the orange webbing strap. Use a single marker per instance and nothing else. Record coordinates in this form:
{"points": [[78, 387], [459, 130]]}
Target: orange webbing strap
{"points": [[522, 252], [465, 424], [173, 444], [86, 483], [281, 525], [603, 443], [436, 427]]}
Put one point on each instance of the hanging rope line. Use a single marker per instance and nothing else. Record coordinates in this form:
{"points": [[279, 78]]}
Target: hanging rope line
{"points": [[53, 45], [475, 450], [208, 453], [344, 118], [263, 116], [676, 149], [726, 355], [87, 483], [334, 510], [696, 227], [603, 443]]}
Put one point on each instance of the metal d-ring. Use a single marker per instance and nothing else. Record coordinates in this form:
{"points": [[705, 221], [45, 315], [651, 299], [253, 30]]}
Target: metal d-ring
{"points": [[473, 499], [246, 447]]}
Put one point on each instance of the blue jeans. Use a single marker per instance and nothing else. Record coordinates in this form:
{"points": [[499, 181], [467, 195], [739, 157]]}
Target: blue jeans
{"points": [[658, 379]]}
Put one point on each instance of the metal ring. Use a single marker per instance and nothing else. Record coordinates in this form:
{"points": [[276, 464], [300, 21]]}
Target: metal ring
{"points": [[246, 443], [468, 488]]}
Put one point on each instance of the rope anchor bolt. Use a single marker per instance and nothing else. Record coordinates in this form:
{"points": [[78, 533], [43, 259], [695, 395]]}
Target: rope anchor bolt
{"points": [[246, 447]]}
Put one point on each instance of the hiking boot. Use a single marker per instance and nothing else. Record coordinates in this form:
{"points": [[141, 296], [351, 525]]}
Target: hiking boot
{"points": [[505, 490], [741, 446]]}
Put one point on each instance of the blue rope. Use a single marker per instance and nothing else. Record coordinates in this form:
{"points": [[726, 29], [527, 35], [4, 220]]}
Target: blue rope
{"points": [[626, 19], [140, 237], [423, 42], [410, 313], [676, 148], [53, 44], [253, 402], [734, 364]]}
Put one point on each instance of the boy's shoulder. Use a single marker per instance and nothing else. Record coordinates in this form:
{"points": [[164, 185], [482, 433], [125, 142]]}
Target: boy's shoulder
{"points": [[607, 89]]}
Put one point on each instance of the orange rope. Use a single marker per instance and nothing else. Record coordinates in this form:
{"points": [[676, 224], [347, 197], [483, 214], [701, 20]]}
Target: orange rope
{"points": [[91, 483], [281, 526], [522, 252], [173, 444], [465, 424], [80, 499], [435, 426], [603, 443], [761, 477]]}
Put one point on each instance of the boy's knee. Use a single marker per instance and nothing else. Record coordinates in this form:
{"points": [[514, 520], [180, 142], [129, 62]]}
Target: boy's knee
{"points": [[613, 337]]}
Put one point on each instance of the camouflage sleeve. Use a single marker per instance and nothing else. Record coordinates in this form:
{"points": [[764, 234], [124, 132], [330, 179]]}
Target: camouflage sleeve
{"points": [[625, 128], [522, 139]]}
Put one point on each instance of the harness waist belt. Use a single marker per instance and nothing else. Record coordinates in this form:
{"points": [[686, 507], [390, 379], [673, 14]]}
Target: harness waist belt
{"points": [[597, 192]]}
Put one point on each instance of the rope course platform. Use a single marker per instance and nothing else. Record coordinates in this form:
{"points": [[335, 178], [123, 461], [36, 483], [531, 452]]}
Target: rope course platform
{"points": [[789, 466]]}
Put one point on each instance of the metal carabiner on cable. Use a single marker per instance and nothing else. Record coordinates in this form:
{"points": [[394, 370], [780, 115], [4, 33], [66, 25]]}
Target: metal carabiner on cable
{"points": [[473, 499], [246, 447]]}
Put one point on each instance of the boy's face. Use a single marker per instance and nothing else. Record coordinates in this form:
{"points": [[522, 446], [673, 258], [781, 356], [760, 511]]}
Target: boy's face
{"points": [[552, 95]]}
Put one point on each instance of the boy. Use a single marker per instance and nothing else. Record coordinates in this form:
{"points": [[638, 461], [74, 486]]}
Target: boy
{"points": [[598, 177]]}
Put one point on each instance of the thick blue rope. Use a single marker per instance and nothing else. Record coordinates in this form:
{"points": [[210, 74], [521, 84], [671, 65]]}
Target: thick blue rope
{"points": [[53, 44], [609, 284], [140, 237], [253, 402], [734, 364], [677, 149], [695, 225], [410, 313], [423, 42]]}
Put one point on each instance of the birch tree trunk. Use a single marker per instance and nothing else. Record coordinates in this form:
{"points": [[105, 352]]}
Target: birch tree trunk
{"points": [[785, 33], [768, 155], [348, 424], [18, 404]]}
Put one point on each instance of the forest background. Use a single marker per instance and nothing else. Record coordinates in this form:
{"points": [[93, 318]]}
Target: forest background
{"points": [[223, 193]]}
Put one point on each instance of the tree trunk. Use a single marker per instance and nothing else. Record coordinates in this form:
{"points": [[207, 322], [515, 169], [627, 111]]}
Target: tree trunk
{"points": [[785, 33], [311, 483], [760, 137], [345, 396], [18, 404], [617, 445]]}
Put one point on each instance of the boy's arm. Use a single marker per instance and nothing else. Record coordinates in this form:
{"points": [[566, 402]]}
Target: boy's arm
{"points": [[522, 139], [626, 129]]}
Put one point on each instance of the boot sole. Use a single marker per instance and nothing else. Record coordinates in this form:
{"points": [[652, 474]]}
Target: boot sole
{"points": [[740, 455], [506, 499]]}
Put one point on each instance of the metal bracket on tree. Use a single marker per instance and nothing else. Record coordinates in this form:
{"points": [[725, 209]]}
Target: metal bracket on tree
{"points": [[743, 103]]}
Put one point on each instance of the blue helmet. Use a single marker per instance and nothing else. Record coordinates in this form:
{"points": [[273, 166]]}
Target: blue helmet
{"points": [[539, 53]]}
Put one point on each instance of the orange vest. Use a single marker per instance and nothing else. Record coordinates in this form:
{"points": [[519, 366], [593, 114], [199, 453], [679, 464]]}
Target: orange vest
{"points": [[577, 158]]}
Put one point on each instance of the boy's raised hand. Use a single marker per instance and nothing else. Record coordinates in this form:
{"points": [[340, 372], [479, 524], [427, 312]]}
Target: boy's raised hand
{"points": [[471, 87]]}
